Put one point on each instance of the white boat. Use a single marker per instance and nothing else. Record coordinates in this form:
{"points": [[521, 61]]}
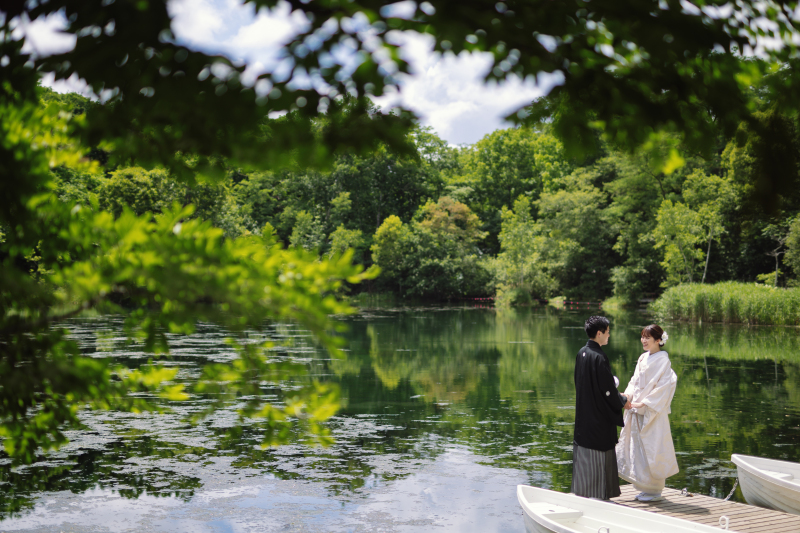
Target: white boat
{"points": [[547, 511], [769, 483]]}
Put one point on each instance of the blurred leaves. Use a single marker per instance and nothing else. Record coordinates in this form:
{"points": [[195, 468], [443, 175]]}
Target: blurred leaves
{"points": [[628, 69], [154, 261]]}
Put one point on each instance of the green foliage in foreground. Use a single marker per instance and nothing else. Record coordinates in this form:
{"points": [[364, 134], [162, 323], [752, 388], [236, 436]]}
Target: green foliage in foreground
{"points": [[174, 271], [62, 253], [745, 303], [653, 66]]}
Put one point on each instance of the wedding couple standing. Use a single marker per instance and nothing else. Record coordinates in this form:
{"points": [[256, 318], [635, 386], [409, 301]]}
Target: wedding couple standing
{"points": [[644, 454]]}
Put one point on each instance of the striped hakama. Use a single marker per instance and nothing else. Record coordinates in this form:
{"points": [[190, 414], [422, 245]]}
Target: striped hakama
{"points": [[594, 473]]}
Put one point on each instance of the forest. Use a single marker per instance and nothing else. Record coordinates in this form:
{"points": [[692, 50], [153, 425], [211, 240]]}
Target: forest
{"points": [[512, 216]]}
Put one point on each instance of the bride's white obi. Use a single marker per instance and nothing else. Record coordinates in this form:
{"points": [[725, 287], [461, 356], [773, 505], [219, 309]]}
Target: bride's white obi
{"points": [[645, 453]]}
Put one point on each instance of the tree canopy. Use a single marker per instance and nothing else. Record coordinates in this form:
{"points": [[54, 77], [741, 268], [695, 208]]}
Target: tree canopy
{"points": [[629, 69]]}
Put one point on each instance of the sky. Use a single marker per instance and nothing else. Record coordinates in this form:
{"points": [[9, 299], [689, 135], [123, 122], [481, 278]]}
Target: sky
{"points": [[446, 92]]}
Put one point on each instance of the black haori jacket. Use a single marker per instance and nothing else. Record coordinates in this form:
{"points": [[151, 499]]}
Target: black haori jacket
{"points": [[598, 403]]}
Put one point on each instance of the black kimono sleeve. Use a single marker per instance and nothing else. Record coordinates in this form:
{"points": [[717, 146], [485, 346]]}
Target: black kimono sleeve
{"points": [[608, 391], [598, 404]]}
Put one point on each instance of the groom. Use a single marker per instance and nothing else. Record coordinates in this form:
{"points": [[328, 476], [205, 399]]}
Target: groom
{"points": [[598, 412]]}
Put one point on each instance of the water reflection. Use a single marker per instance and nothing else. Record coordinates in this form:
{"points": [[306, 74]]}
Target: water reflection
{"points": [[420, 387]]}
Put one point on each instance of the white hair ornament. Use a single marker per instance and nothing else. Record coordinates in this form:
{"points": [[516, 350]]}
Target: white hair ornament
{"points": [[664, 339]]}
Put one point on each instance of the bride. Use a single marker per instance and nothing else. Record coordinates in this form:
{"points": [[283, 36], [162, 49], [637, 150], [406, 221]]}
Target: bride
{"points": [[645, 453]]}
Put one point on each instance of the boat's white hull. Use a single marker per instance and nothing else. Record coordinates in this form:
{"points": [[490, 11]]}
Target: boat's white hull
{"points": [[547, 511], [533, 527], [769, 483]]}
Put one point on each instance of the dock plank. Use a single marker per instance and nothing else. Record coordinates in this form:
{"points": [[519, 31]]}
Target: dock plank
{"points": [[707, 510]]}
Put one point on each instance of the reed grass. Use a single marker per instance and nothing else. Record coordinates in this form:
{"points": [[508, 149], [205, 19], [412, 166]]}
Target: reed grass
{"points": [[730, 302], [615, 303]]}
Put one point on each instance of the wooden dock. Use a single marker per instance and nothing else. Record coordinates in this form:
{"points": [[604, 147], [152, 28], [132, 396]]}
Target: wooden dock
{"points": [[707, 510]]}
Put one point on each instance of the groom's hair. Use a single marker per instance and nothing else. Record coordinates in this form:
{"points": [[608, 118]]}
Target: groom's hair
{"points": [[595, 324]]}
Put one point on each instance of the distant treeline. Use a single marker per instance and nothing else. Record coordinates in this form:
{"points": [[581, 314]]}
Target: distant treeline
{"points": [[512, 215]]}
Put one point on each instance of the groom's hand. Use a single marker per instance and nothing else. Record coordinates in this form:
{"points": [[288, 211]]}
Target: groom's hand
{"points": [[627, 402]]}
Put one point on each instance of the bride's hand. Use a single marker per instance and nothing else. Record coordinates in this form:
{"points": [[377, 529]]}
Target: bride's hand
{"points": [[637, 405]]}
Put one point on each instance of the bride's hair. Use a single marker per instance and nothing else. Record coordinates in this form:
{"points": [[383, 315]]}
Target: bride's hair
{"points": [[654, 331]]}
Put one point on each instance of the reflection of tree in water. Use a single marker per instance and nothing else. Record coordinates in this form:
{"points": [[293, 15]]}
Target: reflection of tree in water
{"points": [[739, 407], [508, 382], [417, 383], [109, 468], [473, 380]]}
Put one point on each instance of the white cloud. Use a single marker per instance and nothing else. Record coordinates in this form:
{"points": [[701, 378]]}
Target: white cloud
{"points": [[196, 21], [235, 30], [268, 32], [449, 94], [73, 84], [446, 92], [44, 36]]}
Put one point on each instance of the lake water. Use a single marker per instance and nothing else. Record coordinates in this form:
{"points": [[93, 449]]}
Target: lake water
{"points": [[445, 411]]}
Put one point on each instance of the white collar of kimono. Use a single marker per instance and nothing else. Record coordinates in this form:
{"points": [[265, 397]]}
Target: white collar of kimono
{"points": [[654, 354]]}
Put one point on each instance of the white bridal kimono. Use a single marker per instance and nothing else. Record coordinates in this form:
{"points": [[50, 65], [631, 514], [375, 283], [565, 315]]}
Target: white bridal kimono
{"points": [[645, 453]]}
